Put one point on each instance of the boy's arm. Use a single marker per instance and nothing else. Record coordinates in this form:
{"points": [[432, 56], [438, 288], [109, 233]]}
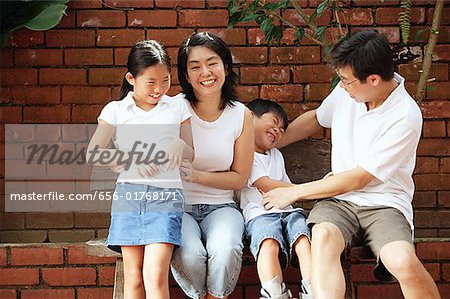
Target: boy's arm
{"points": [[265, 184]]}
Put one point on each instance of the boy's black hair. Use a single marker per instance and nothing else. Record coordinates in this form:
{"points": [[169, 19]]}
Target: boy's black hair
{"points": [[214, 43], [367, 53], [262, 106]]}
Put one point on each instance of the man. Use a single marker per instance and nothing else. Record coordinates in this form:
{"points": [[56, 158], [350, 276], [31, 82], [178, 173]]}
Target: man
{"points": [[366, 199]]}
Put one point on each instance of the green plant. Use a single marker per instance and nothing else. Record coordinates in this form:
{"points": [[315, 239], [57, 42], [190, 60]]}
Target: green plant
{"points": [[34, 15], [404, 19]]}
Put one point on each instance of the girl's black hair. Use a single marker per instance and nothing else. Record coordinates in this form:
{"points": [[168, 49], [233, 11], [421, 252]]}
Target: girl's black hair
{"points": [[263, 106], [214, 43], [367, 53], [143, 55]]}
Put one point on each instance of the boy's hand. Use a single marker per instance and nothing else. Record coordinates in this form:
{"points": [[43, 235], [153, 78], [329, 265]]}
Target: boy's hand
{"points": [[279, 198]]}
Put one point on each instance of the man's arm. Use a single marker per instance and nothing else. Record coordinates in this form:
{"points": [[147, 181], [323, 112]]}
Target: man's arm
{"points": [[344, 182], [302, 127]]}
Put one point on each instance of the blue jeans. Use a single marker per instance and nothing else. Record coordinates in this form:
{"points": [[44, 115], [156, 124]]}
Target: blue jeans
{"points": [[210, 257]]}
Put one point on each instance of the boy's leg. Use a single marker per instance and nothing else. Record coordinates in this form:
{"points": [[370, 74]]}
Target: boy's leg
{"points": [[388, 234], [156, 269], [334, 229], [133, 258], [268, 264]]}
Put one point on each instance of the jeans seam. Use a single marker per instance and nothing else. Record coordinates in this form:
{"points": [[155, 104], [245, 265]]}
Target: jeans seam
{"points": [[180, 275]]}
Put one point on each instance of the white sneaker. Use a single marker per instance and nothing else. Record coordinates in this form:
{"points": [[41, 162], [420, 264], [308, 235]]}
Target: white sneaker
{"points": [[305, 290], [286, 293]]}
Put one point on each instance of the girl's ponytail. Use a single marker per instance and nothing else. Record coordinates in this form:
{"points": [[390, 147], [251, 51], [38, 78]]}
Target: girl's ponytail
{"points": [[125, 88]]}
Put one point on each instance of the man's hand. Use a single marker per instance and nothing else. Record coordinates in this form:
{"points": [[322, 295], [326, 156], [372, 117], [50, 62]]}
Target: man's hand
{"points": [[280, 198]]}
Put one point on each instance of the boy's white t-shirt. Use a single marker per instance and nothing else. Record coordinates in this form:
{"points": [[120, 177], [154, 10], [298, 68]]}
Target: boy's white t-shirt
{"points": [[270, 164], [135, 127], [383, 141]]}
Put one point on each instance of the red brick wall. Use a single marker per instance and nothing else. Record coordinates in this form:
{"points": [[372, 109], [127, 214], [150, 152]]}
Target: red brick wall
{"points": [[64, 271], [66, 75]]}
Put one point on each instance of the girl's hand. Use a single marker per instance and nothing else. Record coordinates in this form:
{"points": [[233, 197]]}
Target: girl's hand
{"points": [[188, 173], [174, 154]]}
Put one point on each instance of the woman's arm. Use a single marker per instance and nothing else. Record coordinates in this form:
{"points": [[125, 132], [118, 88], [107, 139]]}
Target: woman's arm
{"points": [[237, 177], [186, 136]]}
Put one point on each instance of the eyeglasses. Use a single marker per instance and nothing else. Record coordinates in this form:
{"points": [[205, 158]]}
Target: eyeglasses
{"points": [[346, 84]]}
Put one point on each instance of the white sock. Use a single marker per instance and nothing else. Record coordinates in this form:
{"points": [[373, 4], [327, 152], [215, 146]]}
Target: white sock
{"points": [[307, 287], [273, 286]]}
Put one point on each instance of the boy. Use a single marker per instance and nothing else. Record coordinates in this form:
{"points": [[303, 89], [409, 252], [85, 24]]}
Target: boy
{"points": [[278, 234]]}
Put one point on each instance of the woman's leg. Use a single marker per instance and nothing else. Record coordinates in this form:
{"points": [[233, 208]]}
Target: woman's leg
{"points": [[189, 261], [133, 257], [223, 229], [156, 270]]}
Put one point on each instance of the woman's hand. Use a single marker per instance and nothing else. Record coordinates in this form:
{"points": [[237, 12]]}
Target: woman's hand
{"points": [[188, 173]]}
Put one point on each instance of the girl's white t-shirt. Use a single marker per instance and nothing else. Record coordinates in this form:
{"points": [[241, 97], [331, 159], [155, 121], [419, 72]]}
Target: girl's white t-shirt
{"points": [[146, 132]]}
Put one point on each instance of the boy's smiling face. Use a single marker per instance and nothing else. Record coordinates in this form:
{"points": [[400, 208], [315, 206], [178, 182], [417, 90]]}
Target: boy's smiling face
{"points": [[268, 131]]}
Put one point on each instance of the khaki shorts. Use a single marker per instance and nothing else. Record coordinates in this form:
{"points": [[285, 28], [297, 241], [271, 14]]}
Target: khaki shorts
{"points": [[371, 226]]}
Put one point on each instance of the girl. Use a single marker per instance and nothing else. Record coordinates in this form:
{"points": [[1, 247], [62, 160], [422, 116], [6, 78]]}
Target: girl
{"points": [[147, 203], [209, 261]]}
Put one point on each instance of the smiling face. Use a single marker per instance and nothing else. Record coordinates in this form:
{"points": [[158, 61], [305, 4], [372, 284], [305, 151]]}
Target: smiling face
{"points": [[150, 85], [205, 72], [269, 129], [361, 91]]}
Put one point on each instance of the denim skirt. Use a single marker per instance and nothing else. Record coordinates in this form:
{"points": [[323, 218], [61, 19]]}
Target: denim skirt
{"points": [[144, 214]]}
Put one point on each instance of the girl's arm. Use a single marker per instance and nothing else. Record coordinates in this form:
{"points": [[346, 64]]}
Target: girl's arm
{"points": [[236, 178], [98, 146]]}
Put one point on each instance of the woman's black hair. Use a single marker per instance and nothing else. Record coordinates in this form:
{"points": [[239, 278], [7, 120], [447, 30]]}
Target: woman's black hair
{"points": [[367, 53], [143, 55], [263, 106], [214, 43]]}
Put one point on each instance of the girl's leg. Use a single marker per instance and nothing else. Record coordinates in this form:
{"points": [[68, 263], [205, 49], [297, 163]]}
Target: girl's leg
{"points": [[302, 248], [268, 264], [156, 270], [133, 257]]}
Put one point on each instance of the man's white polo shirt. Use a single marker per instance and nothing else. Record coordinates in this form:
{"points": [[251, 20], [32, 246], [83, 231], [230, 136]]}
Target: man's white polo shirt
{"points": [[383, 141]]}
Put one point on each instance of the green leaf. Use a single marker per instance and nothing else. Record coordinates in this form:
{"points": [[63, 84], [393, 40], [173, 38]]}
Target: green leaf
{"points": [[299, 34], [322, 6], [249, 17], [334, 81], [277, 33], [320, 32], [431, 88], [48, 18]]}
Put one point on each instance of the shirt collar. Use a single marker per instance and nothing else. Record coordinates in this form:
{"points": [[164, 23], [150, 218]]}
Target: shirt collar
{"points": [[129, 102], [395, 95]]}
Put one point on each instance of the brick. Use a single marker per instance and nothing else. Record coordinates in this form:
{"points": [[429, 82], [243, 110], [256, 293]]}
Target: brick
{"points": [[12, 221], [67, 21], [282, 93], [26, 39], [121, 56], [6, 58], [203, 18], [77, 4], [77, 255], [56, 114], [425, 233], [248, 275], [95, 293], [426, 165], [265, 74], [375, 2], [444, 20], [293, 17], [36, 95], [378, 291], [153, 18], [249, 55], [445, 165], [390, 15], [424, 34], [248, 93], [358, 16], [11, 77], [302, 54], [433, 147], [106, 275], [119, 37], [234, 36], [391, 33], [313, 74], [442, 52], [217, 3], [70, 235], [28, 236], [446, 272], [62, 76], [50, 220], [36, 256], [82, 276], [434, 129], [436, 109], [70, 38], [432, 181], [92, 219], [5, 95], [317, 92], [8, 294], [100, 18], [2, 257], [434, 251], [86, 113], [38, 57], [169, 37], [110, 76], [424, 199], [50, 293], [444, 198], [47, 133], [85, 94], [438, 91], [180, 3], [19, 276], [10, 114], [432, 219], [362, 273], [412, 71], [88, 57]]}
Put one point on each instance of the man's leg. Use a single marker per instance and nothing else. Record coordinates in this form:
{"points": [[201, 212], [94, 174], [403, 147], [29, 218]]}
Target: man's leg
{"points": [[327, 275], [400, 259]]}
